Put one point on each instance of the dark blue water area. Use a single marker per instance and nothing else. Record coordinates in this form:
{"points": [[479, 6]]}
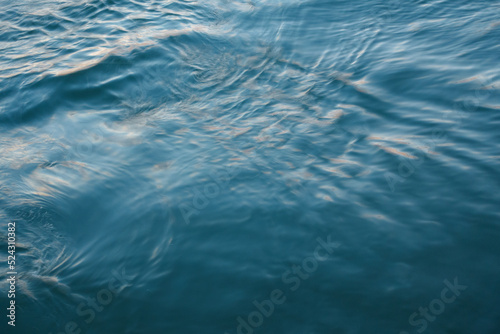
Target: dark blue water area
{"points": [[260, 166]]}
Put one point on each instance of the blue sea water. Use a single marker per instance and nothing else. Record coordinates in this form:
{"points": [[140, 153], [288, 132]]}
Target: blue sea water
{"points": [[251, 166]]}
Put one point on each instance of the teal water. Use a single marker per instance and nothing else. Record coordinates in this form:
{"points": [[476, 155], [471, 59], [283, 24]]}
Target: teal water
{"points": [[309, 167]]}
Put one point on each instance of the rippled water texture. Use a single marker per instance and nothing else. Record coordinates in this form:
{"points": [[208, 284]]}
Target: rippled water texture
{"points": [[171, 165]]}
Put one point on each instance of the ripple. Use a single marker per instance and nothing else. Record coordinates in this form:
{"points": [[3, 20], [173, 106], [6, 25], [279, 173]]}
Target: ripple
{"points": [[202, 147]]}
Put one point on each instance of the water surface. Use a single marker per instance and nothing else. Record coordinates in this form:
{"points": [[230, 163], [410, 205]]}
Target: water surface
{"points": [[170, 163]]}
